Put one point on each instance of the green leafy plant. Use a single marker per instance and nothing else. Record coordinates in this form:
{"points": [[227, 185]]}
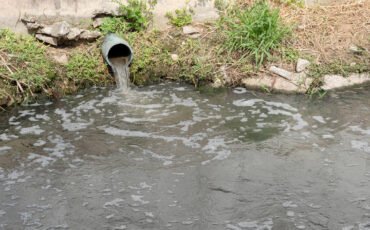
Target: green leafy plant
{"points": [[114, 25], [24, 65], [86, 68], [137, 13], [257, 30], [182, 17], [134, 16]]}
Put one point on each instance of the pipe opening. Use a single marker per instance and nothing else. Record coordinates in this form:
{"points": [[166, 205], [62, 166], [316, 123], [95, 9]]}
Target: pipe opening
{"points": [[119, 51]]}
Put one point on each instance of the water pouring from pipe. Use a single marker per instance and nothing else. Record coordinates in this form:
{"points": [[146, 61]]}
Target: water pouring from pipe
{"points": [[118, 54]]}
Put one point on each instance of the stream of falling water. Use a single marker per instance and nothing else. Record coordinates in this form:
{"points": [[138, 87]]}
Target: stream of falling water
{"points": [[121, 73]]}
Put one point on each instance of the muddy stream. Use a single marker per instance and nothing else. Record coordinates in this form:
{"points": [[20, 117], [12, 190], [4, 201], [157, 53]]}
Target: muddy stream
{"points": [[170, 157]]}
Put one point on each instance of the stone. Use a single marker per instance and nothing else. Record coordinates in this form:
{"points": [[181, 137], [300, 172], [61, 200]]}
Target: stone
{"points": [[356, 50], [89, 35], [174, 57], [98, 22], [331, 82], [258, 82], [34, 26], [74, 34], [282, 72], [47, 39], [28, 19], [190, 30], [105, 13], [217, 83], [302, 65], [57, 30], [61, 58]]}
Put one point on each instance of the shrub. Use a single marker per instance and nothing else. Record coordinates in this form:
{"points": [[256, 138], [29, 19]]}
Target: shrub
{"points": [[182, 17], [114, 25], [134, 16], [24, 67], [257, 30], [86, 68]]}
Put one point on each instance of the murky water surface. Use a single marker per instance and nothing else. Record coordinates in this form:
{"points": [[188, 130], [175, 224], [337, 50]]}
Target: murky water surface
{"points": [[168, 157]]}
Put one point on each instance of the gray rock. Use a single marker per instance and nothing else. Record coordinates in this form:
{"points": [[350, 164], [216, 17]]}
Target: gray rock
{"points": [[89, 35], [105, 13], [282, 72], [47, 39], [356, 50], [174, 57], [61, 58], [28, 19], [34, 26], [302, 65], [98, 22], [57, 30], [74, 34], [190, 30], [331, 82]]}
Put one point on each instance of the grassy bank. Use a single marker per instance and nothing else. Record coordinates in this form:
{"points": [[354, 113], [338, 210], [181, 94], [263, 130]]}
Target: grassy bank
{"points": [[247, 38]]}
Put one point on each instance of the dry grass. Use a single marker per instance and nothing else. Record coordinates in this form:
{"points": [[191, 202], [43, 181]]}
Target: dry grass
{"points": [[327, 32]]}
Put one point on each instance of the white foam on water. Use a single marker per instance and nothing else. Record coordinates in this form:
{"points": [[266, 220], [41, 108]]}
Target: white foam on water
{"points": [[43, 117], [289, 204], [138, 120], [114, 203], [6, 137], [319, 119], [360, 130], [239, 90], [179, 88], [42, 160], [247, 103], [127, 133], [364, 226], [274, 108], [360, 145], [2, 213], [290, 214], [149, 214], [14, 175], [232, 227], [39, 143], [35, 130], [86, 106], [218, 147], [4, 149], [328, 136], [188, 102], [138, 198], [24, 113], [61, 147], [70, 125], [256, 225]]}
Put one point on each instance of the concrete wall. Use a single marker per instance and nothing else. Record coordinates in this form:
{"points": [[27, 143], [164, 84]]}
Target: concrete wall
{"points": [[73, 10]]}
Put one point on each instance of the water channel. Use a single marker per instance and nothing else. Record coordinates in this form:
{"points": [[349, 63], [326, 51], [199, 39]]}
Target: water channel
{"points": [[170, 157]]}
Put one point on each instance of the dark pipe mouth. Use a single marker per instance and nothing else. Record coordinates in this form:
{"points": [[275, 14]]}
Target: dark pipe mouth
{"points": [[119, 50]]}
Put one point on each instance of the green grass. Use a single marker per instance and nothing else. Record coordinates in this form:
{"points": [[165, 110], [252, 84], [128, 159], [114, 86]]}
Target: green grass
{"points": [[114, 25], [24, 68], [135, 16], [86, 68], [181, 17], [257, 30]]}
